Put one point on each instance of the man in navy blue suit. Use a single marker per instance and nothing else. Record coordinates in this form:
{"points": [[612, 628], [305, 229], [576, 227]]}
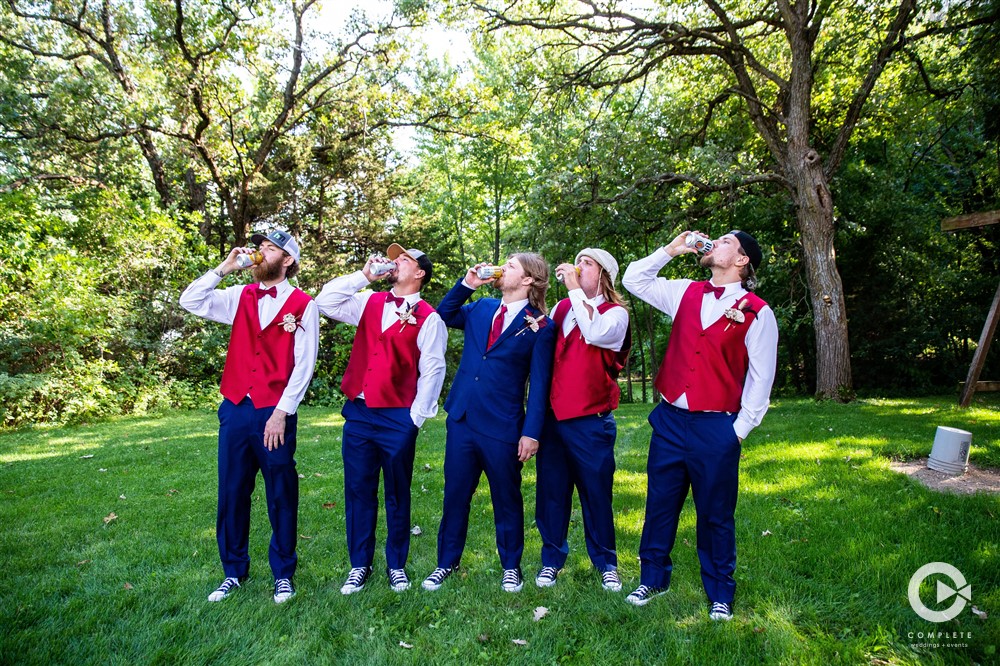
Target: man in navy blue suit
{"points": [[508, 345]]}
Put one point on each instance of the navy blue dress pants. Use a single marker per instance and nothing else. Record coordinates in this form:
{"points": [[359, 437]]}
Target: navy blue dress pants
{"points": [[699, 450], [377, 440], [241, 455], [467, 456], [577, 453]]}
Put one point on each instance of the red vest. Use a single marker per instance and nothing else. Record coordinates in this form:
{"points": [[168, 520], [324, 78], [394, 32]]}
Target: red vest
{"points": [[584, 377], [259, 362], [709, 365], [384, 365]]}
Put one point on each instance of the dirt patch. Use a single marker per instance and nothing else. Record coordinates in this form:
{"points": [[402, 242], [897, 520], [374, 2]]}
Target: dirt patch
{"points": [[975, 480]]}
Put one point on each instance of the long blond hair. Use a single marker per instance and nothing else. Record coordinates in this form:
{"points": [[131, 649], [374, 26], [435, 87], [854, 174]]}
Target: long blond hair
{"points": [[535, 267]]}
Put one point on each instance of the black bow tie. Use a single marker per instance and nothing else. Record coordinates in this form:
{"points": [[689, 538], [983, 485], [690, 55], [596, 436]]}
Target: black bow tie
{"points": [[272, 292], [718, 291]]}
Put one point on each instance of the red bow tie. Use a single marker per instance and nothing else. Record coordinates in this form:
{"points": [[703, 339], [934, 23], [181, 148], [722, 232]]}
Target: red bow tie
{"points": [[392, 298], [718, 291], [272, 292]]}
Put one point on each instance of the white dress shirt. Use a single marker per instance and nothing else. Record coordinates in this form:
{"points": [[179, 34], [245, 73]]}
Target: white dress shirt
{"points": [[606, 331], [641, 279], [203, 299], [342, 299]]}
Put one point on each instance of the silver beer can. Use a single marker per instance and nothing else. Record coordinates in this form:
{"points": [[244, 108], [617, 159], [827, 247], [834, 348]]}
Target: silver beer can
{"points": [[700, 243]]}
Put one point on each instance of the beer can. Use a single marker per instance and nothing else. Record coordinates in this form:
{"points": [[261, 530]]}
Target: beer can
{"points": [[700, 243], [561, 278], [381, 267], [247, 260], [489, 272]]}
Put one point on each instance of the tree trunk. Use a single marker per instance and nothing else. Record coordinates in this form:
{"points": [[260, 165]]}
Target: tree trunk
{"points": [[814, 214]]}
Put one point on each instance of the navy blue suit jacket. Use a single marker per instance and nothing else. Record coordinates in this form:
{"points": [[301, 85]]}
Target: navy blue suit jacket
{"points": [[490, 385]]}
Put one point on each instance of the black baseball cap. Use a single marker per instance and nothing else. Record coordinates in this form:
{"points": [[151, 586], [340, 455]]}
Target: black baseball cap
{"points": [[750, 246]]}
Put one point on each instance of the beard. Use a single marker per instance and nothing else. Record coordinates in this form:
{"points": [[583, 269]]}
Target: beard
{"points": [[706, 261], [392, 278], [267, 272]]}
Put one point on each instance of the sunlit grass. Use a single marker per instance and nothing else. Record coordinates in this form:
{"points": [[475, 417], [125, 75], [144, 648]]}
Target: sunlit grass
{"points": [[828, 537]]}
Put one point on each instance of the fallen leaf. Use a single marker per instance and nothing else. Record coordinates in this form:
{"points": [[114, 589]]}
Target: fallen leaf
{"points": [[82, 562], [303, 536], [172, 491], [122, 496], [318, 474], [302, 476], [91, 455], [111, 516], [416, 531], [128, 586], [423, 488], [483, 638], [519, 641], [766, 533], [758, 630], [405, 645], [978, 613], [427, 467], [686, 542], [102, 470], [329, 505], [541, 612]]}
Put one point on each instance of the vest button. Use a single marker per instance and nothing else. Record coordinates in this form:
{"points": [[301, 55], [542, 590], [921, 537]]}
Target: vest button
{"points": [[477, 379], [484, 357]]}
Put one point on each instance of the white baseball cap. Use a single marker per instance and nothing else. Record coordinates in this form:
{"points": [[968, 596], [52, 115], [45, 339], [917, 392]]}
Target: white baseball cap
{"points": [[602, 257]]}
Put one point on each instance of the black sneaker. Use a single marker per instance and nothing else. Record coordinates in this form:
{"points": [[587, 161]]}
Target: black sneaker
{"points": [[433, 582], [283, 590], [546, 577], [643, 593], [356, 580], [610, 580], [228, 586], [511, 581], [398, 580], [720, 611]]}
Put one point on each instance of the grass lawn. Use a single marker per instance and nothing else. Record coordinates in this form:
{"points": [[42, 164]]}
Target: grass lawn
{"points": [[108, 551]]}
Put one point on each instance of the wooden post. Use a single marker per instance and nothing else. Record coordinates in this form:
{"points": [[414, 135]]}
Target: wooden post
{"points": [[979, 358]]}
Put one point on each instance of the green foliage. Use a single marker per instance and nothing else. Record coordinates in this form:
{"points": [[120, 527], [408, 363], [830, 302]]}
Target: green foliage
{"points": [[90, 320]]}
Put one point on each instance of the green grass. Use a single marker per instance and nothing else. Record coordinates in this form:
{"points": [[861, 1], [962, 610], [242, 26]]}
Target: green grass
{"points": [[828, 585]]}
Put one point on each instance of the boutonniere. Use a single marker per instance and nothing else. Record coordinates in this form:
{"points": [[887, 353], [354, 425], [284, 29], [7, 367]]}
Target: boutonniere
{"points": [[406, 317], [736, 315], [289, 322], [532, 323]]}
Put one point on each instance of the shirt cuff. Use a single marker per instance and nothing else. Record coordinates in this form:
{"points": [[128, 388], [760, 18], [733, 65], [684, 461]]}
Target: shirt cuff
{"points": [[742, 428], [287, 405]]}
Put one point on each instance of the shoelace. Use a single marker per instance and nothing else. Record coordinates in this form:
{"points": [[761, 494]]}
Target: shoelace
{"points": [[548, 572], [356, 576], [228, 584], [641, 591], [397, 577], [610, 577], [439, 575], [283, 586], [510, 577], [719, 607]]}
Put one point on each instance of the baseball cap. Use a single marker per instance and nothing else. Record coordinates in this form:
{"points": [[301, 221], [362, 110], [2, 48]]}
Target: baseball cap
{"points": [[602, 257], [423, 261], [282, 239], [750, 246]]}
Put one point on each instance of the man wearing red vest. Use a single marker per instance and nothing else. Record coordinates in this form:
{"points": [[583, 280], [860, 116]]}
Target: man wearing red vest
{"points": [[392, 383], [715, 380], [270, 361], [578, 449]]}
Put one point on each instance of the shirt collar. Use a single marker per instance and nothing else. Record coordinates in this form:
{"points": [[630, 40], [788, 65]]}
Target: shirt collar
{"points": [[514, 306]]}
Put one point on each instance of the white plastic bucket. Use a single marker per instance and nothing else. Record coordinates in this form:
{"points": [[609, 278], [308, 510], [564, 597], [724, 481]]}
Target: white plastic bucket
{"points": [[950, 453]]}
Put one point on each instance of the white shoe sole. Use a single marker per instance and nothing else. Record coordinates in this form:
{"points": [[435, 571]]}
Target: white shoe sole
{"points": [[508, 588], [635, 601], [282, 598], [403, 587], [351, 589]]}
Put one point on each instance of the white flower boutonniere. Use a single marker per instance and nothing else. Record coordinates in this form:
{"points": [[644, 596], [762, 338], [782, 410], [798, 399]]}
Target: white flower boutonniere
{"points": [[736, 315], [406, 317], [532, 323], [290, 323]]}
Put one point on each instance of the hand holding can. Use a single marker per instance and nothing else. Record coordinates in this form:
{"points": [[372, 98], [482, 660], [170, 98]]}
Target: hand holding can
{"points": [[248, 259], [702, 244]]}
